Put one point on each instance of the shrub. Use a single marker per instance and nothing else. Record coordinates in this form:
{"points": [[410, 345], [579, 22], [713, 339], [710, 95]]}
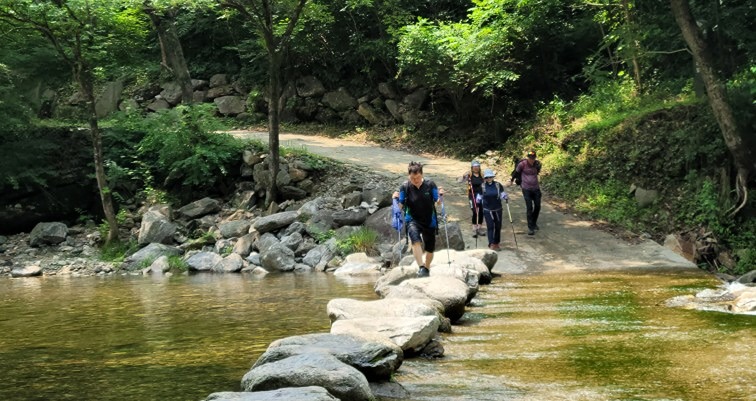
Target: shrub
{"points": [[362, 240]]}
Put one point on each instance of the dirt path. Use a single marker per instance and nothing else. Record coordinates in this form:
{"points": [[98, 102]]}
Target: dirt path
{"points": [[563, 243]]}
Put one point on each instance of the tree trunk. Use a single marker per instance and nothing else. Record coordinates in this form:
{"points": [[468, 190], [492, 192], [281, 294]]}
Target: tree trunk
{"points": [[274, 122], [632, 45], [172, 52], [85, 81], [743, 157]]}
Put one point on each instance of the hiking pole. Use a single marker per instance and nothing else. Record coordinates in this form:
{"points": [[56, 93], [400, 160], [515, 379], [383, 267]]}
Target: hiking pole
{"points": [[397, 223], [446, 230], [510, 222], [475, 213]]}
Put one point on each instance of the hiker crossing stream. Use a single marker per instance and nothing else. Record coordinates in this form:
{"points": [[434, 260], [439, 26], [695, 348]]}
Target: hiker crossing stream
{"points": [[574, 313]]}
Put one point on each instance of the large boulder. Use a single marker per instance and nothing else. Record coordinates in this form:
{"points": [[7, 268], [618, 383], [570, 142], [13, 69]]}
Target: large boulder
{"points": [[315, 369], [205, 262], [340, 100], [278, 257], [309, 393], [309, 86], [412, 334], [274, 221], [229, 105], [149, 254], [456, 240], [156, 228], [48, 234], [359, 264], [450, 291], [346, 308], [200, 208], [350, 217], [376, 360], [234, 229]]}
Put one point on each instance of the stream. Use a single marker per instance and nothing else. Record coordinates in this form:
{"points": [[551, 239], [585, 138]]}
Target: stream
{"points": [[549, 336]]}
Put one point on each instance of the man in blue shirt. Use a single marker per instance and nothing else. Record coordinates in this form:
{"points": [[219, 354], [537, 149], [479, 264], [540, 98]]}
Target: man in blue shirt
{"points": [[417, 197]]}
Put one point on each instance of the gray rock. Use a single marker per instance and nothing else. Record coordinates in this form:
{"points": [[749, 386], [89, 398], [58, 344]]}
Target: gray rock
{"points": [[350, 217], [218, 80], [158, 104], [413, 305], [230, 105], [309, 86], [310, 393], [171, 93], [359, 264], [376, 360], [159, 266], [292, 241], [243, 246], [234, 229], [409, 333], [317, 369], [48, 234], [274, 221], [321, 254], [156, 228], [645, 197], [150, 253], [456, 240], [107, 101], [205, 262], [232, 263], [340, 100], [416, 99], [451, 292], [278, 258], [27, 271], [389, 391], [200, 208], [388, 90], [748, 278], [292, 192], [394, 108]]}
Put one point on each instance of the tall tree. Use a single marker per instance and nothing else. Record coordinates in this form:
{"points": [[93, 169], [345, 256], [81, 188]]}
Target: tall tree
{"points": [[743, 156], [84, 34], [274, 21], [163, 14]]}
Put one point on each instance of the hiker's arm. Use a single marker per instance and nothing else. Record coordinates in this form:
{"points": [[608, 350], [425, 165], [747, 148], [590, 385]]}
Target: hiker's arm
{"points": [[439, 193]]}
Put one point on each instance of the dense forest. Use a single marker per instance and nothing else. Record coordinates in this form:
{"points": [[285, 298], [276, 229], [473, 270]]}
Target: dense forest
{"points": [[617, 96]]}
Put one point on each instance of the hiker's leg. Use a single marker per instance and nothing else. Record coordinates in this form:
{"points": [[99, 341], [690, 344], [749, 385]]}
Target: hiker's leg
{"points": [[497, 227], [480, 214], [536, 206], [429, 238], [528, 197], [490, 225], [413, 230]]}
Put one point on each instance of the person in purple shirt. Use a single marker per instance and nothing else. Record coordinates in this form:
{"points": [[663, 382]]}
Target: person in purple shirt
{"points": [[531, 191]]}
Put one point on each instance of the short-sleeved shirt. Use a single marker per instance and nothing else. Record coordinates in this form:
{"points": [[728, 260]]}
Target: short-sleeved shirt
{"points": [[419, 203], [475, 182], [529, 174]]}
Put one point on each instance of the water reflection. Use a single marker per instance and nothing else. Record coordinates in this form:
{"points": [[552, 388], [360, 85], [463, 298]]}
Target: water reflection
{"points": [[146, 338]]}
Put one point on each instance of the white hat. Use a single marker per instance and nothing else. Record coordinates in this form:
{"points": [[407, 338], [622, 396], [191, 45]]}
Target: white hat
{"points": [[489, 173]]}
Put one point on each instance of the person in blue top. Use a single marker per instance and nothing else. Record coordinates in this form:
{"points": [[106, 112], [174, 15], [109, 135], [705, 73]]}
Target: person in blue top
{"points": [[418, 197], [492, 193]]}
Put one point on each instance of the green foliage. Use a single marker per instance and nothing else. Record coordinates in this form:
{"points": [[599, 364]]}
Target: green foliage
{"points": [[362, 240], [116, 251], [176, 262], [323, 236], [180, 147], [457, 57]]}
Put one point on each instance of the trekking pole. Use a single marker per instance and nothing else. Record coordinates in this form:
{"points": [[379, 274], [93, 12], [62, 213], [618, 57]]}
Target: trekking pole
{"points": [[510, 222], [446, 230], [475, 213], [397, 223]]}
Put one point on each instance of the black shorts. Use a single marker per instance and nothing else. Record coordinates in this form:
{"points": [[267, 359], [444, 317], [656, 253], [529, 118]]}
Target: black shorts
{"points": [[418, 233]]}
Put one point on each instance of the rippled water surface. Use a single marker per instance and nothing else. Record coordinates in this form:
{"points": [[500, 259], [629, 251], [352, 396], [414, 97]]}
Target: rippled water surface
{"points": [[142, 338], [591, 336], [567, 336]]}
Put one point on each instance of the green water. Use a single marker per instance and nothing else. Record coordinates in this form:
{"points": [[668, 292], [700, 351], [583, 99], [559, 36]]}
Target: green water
{"points": [[578, 336], [591, 336], [142, 338]]}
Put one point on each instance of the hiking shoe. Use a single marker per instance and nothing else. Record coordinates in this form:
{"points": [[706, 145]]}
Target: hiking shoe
{"points": [[531, 231], [423, 272]]}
